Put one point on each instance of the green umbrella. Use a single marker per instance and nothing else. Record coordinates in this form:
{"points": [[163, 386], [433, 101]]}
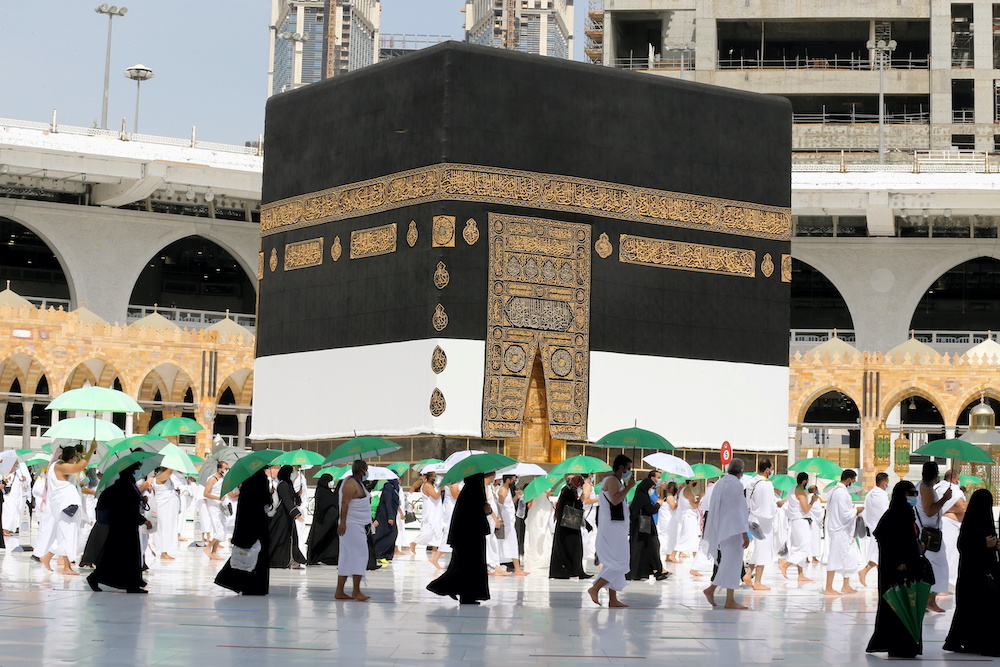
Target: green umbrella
{"points": [[224, 453], [175, 426], [333, 471], [474, 464], [41, 458], [540, 485], [399, 467], [420, 464], [580, 465], [197, 460], [966, 480], [120, 445], [47, 447], [909, 602], [95, 399], [634, 438], [22, 452], [360, 448], [113, 470], [176, 459], [855, 496], [818, 466], [298, 457], [706, 471], [783, 482], [242, 470], [84, 428], [954, 448]]}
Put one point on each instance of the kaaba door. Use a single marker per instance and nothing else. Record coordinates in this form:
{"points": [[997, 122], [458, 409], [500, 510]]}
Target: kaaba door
{"points": [[536, 444]]}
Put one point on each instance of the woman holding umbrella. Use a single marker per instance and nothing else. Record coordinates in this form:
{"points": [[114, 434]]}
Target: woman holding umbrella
{"points": [[119, 508], [323, 543], [466, 579], [251, 527], [284, 542], [567, 545]]}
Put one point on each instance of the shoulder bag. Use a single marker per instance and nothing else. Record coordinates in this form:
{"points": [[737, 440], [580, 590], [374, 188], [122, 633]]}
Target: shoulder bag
{"points": [[645, 524], [930, 537], [572, 518], [245, 558]]}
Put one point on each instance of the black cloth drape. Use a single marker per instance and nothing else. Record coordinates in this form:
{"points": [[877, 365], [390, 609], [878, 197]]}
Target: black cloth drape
{"points": [[3, 493], [645, 547], [323, 543], [284, 538], [976, 588], [251, 526], [119, 560], [898, 544], [466, 579], [566, 560], [95, 544], [388, 510]]}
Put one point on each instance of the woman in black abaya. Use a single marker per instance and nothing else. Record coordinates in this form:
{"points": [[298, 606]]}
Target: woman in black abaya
{"points": [[899, 561], [323, 543], [976, 590], [645, 547], [466, 579], [119, 563], [251, 527], [386, 521], [566, 561], [284, 552]]}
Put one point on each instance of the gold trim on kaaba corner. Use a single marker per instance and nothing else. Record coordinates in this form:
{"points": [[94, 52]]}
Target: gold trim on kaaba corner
{"points": [[336, 250], [603, 246], [373, 241], [303, 254], [471, 232], [440, 318], [272, 263], [443, 231], [687, 256], [438, 405], [260, 266], [441, 276], [455, 182], [412, 234], [439, 360], [786, 268], [767, 265]]}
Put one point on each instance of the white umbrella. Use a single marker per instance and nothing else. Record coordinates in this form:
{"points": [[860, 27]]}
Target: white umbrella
{"points": [[8, 460], [439, 468], [669, 464], [458, 456], [84, 428], [374, 472], [524, 470]]}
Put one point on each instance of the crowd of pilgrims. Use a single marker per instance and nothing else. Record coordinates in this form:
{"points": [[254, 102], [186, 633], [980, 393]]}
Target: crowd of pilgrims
{"points": [[582, 529]]}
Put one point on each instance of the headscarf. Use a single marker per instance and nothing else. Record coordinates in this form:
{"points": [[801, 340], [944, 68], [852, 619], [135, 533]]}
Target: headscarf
{"points": [[978, 521], [468, 518], [285, 475], [900, 512], [641, 497]]}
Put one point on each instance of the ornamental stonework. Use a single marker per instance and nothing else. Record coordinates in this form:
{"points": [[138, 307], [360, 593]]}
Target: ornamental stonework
{"points": [[374, 241], [687, 256], [303, 254]]}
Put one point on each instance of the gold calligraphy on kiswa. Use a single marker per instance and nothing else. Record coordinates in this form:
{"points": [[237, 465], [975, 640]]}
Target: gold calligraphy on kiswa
{"points": [[373, 241], [303, 254], [688, 256]]}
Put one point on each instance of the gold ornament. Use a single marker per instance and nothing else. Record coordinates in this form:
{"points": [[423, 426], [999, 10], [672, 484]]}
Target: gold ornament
{"points": [[373, 241], [902, 463], [786, 268], [689, 256], [438, 404], [603, 246], [440, 318], [441, 276], [336, 250], [303, 254], [439, 360], [273, 262], [260, 265], [411, 234], [443, 231], [767, 265], [883, 447], [471, 232]]}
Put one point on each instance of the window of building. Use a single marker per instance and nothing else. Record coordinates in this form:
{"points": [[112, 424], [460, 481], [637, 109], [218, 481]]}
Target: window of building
{"points": [[963, 101], [961, 37], [996, 36], [813, 225], [963, 142]]}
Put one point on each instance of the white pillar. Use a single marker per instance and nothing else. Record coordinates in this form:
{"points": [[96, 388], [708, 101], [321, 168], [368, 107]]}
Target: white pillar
{"points": [[26, 423], [241, 433]]}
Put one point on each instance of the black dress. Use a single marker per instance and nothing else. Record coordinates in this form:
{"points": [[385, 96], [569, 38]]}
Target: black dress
{"points": [[898, 544], [284, 540], [251, 526], [644, 547], [466, 579], [323, 543], [566, 561], [976, 589], [388, 510], [119, 561]]}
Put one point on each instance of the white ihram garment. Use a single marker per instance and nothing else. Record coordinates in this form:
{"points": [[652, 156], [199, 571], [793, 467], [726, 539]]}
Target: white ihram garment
{"points": [[938, 559], [816, 529], [612, 539], [168, 505], [354, 542], [840, 522], [725, 525], [950, 529], [538, 533], [13, 502], [763, 506], [215, 520], [60, 532], [666, 528], [876, 504], [508, 545], [704, 560], [799, 532], [430, 521], [687, 527]]}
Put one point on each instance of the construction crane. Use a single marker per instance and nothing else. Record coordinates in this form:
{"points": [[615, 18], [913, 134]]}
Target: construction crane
{"points": [[511, 26]]}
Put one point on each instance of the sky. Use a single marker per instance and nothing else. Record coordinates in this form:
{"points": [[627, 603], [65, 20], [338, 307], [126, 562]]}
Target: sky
{"points": [[209, 61]]}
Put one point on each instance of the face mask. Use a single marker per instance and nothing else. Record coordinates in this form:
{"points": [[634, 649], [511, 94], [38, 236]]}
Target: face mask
{"points": [[364, 478], [294, 475], [331, 485], [912, 500], [138, 475], [626, 474]]}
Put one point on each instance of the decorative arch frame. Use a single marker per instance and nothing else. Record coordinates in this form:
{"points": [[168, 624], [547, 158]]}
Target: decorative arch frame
{"points": [[805, 403], [56, 251]]}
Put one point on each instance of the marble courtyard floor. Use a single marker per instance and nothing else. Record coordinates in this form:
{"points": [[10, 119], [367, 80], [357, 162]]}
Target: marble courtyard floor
{"points": [[51, 619]]}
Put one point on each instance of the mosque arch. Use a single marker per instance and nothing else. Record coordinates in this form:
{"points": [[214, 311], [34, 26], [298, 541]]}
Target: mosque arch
{"points": [[831, 415], [808, 402], [816, 303], [96, 370], [32, 263], [992, 398], [198, 273], [226, 422], [964, 297]]}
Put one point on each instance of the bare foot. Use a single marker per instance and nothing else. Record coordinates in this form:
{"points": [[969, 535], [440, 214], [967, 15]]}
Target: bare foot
{"points": [[617, 603], [360, 597], [182, 539], [520, 573], [501, 572], [207, 551], [166, 557], [733, 605], [784, 569], [342, 596], [696, 574], [710, 594], [46, 563], [804, 580], [215, 557], [760, 587], [76, 574], [830, 591], [935, 608], [863, 576], [747, 580], [847, 590], [593, 595]]}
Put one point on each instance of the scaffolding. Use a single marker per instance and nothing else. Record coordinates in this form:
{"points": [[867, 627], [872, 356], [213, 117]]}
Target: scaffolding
{"points": [[594, 32]]}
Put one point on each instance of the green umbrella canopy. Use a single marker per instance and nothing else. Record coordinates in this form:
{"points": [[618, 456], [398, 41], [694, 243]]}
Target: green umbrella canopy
{"points": [[242, 470], [966, 480], [477, 463], [399, 467], [47, 447], [420, 464], [855, 496], [333, 471], [954, 448], [84, 428], [783, 482], [580, 465], [40, 459], [112, 471], [197, 460], [146, 441], [225, 453], [540, 485], [95, 399], [818, 466], [706, 471], [298, 457], [360, 448], [22, 452], [176, 459], [175, 426], [634, 438]]}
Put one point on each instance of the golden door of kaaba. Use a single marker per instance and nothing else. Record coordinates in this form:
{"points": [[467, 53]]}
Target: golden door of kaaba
{"points": [[538, 335]]}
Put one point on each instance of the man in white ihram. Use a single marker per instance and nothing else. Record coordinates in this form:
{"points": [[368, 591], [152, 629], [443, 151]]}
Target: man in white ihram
{"points": [[726, 533], [841, 516], [355, 516], [763, 506], [876, 504], [952, 513]]}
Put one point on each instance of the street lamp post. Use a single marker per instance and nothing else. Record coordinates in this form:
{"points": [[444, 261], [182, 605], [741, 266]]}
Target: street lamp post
{"points": [[112, 12], [298, 40], [881, 48], [138, 73]]}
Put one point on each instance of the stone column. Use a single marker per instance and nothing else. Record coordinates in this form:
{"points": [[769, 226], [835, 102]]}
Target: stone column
{"points": [[141, 423], [866, 460], [26, 423], [129, 423], [205, 414], [241, 433]]}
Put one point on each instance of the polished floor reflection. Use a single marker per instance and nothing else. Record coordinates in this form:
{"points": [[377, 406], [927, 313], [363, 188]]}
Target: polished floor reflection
{"points": [[52, 619]]}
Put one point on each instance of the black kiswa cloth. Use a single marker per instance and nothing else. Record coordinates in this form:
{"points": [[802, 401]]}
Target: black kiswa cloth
{"points": [[323, 543], [466, 579], [119, 561], [251, 526]]}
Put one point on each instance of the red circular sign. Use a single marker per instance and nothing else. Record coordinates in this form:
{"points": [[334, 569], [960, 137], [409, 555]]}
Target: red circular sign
{"points": [[726, 454]]}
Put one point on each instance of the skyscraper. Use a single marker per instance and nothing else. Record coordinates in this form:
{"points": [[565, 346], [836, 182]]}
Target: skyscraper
{"points": [[544, 27]]}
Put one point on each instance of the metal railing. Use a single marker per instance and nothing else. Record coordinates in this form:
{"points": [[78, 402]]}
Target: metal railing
{"points": [[672, 64], [836, 62], [44, 302], [931, 337], [192, 319], [923, 161], [854, 118]]}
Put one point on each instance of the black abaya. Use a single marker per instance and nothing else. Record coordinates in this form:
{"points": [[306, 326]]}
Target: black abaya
{"points": [[323, 543], [284, 539], [388, 510], [973, 623], [644, 547], [566, 560], [466, 579], [898, 545], [119, 562], [251, 526]]}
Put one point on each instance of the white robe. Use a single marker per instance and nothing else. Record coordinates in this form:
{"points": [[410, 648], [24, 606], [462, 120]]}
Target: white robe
{"points": [[430, 522], [817, 513], [508, 545], [666, 528], [215, 520], [14, 502], [799, 531], [447, 510], [612, 539], [60, 532], [589, 536], [168, 506], [950, 529], [704, 560], [538, 533], [876, 504], [354, 542], [725, 525], [492, 546], [763, 506], [687, 527], [840, 521], [938, 559]]}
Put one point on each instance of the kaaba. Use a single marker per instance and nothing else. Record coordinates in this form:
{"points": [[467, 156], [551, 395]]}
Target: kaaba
{"points": [[473, 242]]}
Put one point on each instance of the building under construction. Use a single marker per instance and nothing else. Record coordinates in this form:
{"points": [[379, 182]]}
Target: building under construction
{"points": [[543, 27]]}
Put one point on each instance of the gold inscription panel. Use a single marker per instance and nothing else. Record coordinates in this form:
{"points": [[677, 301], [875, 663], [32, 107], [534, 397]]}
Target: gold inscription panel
{"points": [[689, 256], [303, 254], [538, 308], [374, 241]]}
